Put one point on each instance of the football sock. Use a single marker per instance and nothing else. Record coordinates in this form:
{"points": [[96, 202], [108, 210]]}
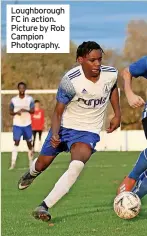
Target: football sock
{"points": [[14, 155], [33, 171], [141, 187], [64, 183], [140, 166], [44, 205]]}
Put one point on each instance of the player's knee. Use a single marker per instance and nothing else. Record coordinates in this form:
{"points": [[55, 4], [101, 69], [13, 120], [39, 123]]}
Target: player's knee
{"points": [[16, 143], [81, 152]]}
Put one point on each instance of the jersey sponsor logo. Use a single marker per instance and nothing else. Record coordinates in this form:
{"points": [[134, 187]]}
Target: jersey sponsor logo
{"points": [[92, 103]]}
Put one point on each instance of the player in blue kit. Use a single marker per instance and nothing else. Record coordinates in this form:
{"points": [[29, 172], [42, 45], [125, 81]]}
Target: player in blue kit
{"points": [[82, 99], [139, 173], [21, 106]]}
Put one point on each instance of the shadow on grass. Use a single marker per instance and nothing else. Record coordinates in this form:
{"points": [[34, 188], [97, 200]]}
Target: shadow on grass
{"points": [[102, 209], [68, 216]]}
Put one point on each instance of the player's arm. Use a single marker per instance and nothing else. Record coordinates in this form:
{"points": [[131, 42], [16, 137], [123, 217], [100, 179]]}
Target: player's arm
{"points": [[114, 100], [56, 122], [136, 69], [11, 110], [65, 94]]}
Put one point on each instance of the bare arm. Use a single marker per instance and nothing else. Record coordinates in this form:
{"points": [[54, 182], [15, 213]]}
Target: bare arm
{"points": [[12, 113], [56, 119], [133, 99], [11, 110], [56, 122], [114, 99], [65, 94]]}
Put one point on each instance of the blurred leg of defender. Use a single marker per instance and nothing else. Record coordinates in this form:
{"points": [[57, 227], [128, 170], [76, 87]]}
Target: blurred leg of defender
{"points": [[140, 166], [17, 133], [141, 187]]}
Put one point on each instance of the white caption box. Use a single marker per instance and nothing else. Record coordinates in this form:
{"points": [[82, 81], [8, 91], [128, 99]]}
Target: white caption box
{"points": [[38, 29]]}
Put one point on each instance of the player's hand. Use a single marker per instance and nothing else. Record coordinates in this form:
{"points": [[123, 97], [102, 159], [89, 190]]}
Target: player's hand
{"points": [[114, 124], [23, 110], [55, 140], [135, 100], [18, 113]]}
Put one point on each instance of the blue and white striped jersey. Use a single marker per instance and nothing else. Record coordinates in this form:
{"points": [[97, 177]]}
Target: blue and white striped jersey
{"points": [[86, 101]]}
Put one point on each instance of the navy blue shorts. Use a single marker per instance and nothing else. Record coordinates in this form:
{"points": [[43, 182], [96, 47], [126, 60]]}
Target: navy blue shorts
{"points": [[69, 137], [19, 131]]}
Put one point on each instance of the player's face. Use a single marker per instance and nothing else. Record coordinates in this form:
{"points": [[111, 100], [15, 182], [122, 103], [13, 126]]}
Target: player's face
{"points": [[21, 89], [37, 105], [91, 63]]}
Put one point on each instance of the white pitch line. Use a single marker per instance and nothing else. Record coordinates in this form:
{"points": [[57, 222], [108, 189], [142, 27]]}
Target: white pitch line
{"points": [[92, 166]]}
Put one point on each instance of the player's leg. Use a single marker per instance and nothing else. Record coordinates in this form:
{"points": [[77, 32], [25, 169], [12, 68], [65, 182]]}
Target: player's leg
{"points": [[27, 135], [45, 158], [17, 133], [40, 137], [141, 187], [30, 151], [34, 137], [140, 166], [80, 154], [38, 166]]}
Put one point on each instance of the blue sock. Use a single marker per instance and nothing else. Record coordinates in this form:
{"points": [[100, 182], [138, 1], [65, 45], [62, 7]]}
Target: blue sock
{"points": [[141, 187], [140, 166]]}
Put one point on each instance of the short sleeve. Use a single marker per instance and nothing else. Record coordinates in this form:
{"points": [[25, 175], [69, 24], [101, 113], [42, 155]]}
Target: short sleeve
{"points": [[32, 103], [66, 91], [139, 67], [11, 106]]}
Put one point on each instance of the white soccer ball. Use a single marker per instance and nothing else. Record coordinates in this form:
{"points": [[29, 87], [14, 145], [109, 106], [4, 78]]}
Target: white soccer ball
{"points": [[127, 205]]}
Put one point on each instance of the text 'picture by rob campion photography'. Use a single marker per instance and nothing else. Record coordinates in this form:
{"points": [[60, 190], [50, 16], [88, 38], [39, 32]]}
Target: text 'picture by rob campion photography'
{"points": [[74, 118]]}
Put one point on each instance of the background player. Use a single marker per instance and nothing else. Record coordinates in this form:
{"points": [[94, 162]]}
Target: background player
{"points": [[37, 122], [139, 172], [21, 107], [82, 99]]}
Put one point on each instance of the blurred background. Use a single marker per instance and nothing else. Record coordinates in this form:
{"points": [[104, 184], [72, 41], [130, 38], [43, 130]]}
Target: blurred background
{"points": [[119, 27]]}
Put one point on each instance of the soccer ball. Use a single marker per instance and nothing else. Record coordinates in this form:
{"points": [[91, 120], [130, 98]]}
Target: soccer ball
{"points": [[127, 205]]}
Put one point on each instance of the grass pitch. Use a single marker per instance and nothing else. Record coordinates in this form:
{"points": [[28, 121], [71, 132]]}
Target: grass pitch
{"points": [[86, 211]]}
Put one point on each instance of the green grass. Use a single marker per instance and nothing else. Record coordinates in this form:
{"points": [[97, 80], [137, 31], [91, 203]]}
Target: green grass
{"points": [[86, 211]]}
